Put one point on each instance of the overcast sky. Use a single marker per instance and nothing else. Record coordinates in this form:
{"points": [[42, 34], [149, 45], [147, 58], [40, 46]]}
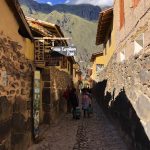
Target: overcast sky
{"points": [[93, 2]]}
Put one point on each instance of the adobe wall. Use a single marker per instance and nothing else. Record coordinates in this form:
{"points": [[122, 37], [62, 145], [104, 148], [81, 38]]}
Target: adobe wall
{"points": [[15, 95], [15, 84]]}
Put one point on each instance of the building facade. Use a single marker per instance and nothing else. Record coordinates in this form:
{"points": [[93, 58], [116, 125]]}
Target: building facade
{"points": [[132, 27], [125, 81], [98, 64], [55, 72], [16, 74], [106, 35]]}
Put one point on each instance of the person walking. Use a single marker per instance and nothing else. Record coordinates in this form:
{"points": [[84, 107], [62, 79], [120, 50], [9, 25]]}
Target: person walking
{"points": [[66, 95], [74, 102], [86, 103]]}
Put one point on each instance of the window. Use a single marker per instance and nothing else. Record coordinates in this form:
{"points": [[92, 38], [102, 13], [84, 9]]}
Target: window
{"points": [[64, 63], [104, 47], [135, 3], [139, 43], [110, 38], [122, 19], [122, 55], [99, 67], [68, 67]]}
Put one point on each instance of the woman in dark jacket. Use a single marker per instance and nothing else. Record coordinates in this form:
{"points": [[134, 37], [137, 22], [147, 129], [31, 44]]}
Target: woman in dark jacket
{"points": [[74, 101]]}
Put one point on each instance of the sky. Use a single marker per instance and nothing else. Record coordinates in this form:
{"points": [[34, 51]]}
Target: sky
{"points": [[93, 2]]}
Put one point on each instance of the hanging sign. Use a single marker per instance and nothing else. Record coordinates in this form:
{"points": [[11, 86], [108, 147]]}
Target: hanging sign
{"points": [[67, 51]]}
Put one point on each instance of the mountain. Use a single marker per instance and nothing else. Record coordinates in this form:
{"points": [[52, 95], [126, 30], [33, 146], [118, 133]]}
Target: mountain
{"points": [[81, 30], [85, 11]]}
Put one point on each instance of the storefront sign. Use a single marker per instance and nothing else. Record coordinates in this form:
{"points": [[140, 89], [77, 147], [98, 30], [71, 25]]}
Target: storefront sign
{"points": [[36, 104], [67, 51]]}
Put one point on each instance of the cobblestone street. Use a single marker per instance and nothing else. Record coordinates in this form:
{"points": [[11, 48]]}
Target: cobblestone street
{"points": [[94, 133]]}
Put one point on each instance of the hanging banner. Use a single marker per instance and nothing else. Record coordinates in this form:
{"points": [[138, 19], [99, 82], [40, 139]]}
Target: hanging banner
{"points": [[36, 104]]}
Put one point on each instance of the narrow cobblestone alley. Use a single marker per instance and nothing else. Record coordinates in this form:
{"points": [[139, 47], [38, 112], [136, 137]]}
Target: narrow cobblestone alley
{"points": [[94, 133]]}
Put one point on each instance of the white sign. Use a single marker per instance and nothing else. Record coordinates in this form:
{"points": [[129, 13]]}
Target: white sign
{"points": [[67, 51], [4, 78]]}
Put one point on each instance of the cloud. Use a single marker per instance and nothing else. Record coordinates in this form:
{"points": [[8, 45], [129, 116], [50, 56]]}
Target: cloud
{"points": [[93, 2], [49, 3], [67, 1]]}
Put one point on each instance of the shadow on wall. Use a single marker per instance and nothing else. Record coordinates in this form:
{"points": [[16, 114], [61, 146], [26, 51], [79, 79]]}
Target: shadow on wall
{"points": [[122, 110], [99, 90]]}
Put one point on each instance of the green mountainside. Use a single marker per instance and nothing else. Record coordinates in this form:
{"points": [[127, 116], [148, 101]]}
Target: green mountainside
{"points": [[85, 11], [82, 32]]}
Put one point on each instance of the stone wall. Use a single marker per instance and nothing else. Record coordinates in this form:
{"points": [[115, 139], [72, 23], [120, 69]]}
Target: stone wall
{"points": [[124, 91], [124, 87], [15, 95], [55, 84], [137, 22]]}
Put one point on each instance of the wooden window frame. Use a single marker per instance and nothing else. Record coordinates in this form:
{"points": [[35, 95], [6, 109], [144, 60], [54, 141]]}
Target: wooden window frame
{"points": [[135, 3], [122, 14]]}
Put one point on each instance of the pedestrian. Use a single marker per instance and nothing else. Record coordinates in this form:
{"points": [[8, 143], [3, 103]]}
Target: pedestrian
{"points": [[86, 103], [66, 95], [74, 102]]}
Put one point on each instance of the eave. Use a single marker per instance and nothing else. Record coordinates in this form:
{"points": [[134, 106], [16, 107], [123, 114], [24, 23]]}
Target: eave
{"points": [[94, 55], [20, 17], [105, 19]]}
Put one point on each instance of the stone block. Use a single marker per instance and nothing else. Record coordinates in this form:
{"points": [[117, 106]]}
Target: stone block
{"points": [[23, 83], [143, 107], [22, 66], [12, 92], [147, 127], [24, 92], [133, 95], [144, 76], [148, 91], [5, 108]]}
